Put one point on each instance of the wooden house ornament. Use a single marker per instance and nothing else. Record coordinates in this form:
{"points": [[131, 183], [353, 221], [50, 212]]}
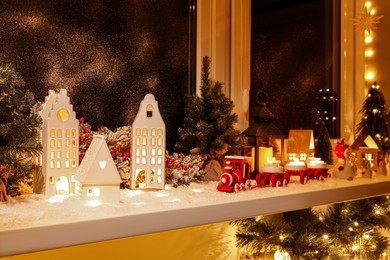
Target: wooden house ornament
{"points": [[60, 141], [300, 144], [97, 177], [148, 147], [365, 149]]}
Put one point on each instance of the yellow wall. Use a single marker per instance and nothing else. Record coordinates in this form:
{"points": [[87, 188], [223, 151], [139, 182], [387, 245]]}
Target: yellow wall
{"points": [[214, 241]]}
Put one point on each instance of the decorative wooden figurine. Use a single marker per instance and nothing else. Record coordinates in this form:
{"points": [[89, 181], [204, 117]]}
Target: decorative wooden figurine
{"points": [[60, 141], [148, 147], [97, 177]]}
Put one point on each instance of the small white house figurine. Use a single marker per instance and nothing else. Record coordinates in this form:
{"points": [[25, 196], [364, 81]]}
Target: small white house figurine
{"points": [[60, 141], [366, 149], [97, 178], [148, 147]]}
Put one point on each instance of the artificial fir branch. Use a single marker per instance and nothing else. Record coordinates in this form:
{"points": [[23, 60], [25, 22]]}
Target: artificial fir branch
{"points": [[348, 230], [19, 133]]}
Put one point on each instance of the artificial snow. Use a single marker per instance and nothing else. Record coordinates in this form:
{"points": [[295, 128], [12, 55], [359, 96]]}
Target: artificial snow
{"points": [[34, 210]]}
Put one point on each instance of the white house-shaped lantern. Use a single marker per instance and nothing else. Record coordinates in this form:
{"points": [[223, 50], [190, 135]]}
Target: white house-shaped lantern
{"points": [[148, 147], [60, 141], [97, 178], [365, 148], [300, 144]]}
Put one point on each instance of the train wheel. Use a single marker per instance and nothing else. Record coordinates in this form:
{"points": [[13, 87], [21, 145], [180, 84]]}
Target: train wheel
{"points": [[248, 184], [285, 183], [305, 180], [237, 187], [278, 184], [321, 178], [242, 186]]}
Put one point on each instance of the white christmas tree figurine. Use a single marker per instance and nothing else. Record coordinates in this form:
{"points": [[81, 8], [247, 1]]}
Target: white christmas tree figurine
{"points": [[97, 178], [148, 147], [60, 141]]}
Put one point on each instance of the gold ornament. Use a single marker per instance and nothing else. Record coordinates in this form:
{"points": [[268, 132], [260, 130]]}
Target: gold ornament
{"points": [[367, 21]]}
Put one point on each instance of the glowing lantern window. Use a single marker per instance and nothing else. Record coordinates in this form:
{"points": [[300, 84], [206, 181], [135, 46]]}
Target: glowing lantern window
{"points": [[62, 185], [63, 115]]}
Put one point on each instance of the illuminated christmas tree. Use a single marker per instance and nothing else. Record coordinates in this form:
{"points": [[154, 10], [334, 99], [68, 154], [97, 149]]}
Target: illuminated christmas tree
{"points": [[19, 133], [375, 118]]}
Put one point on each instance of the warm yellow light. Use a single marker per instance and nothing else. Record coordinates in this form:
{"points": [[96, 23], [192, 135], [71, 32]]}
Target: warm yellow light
{"points": [[372, 11], [367, 4], [355, 247], [369, 53], [356, 224], [378, 212], [369, 76], [350, 229], [368, 39], [326, 236], [366, 236], [281, 237]]}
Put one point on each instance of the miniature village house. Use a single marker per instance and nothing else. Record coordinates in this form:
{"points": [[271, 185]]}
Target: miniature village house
{"points": [[300, 144], [60, 141], [148, 147], [97, 178], [365, 149]]}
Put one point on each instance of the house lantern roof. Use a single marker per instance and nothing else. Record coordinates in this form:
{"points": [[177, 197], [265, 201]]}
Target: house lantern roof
{"points": [[262, 125]]}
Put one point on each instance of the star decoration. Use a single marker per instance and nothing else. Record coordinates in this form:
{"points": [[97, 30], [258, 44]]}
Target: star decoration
{"points": [[367, 21]]}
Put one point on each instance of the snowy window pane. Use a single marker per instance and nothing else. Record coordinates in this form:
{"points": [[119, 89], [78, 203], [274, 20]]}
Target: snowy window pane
{"points": [[51, 164], [52, 133], [138, 131], [73, 133], [152, 160], [159, 179], [58, 164], [159, 171], [153, 140], [67, 155], [67, 143], [52, 143], [137, 141], [143, 152], [67, 133], [67, 164], [159, 160], [58, 155], [74, 164], [74, 155], [143, 160], [159, 151], [159, 141], [59, 143], [73, 143], [52, 155], [137, 153], [160, 131], [144, 142], [153, 152], [59, 133], [153, 131]]}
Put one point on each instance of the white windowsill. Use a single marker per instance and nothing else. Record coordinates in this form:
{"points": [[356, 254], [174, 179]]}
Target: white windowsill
{"points": [[194, 208]]}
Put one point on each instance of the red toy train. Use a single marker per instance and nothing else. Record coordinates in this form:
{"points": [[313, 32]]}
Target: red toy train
{"points": [[237, 175]]}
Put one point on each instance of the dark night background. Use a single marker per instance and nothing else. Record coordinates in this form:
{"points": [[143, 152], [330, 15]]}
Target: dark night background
{"points": [[107, 54], [291, 62]]}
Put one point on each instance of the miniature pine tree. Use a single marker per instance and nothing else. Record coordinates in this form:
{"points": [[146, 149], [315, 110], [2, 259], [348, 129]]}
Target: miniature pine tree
{"points": [[209, 120], [19, 133], [324, 147], [375, 118]]}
